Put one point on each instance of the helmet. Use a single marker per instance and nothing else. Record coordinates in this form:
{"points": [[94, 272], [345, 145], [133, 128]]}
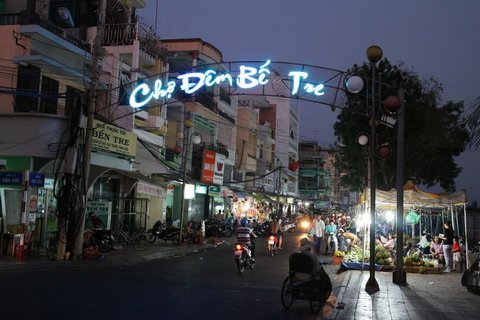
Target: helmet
{"points": [[244, 222]]}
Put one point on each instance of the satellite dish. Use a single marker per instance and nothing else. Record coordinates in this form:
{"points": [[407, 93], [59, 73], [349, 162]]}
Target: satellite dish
{"points": [[66, 16]]}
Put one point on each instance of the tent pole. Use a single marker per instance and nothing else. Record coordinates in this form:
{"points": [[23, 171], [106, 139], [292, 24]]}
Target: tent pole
{"points": [[466, 237]]}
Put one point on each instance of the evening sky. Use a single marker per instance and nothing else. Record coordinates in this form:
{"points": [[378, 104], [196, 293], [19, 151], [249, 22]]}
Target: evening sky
{"points": [[438, 38]]}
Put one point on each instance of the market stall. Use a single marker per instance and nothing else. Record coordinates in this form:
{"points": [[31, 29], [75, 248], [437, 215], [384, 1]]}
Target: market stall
{"points": [[417, 203]]}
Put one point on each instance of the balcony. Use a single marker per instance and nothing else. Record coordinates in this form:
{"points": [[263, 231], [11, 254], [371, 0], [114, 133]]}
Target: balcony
{"points": [[124, 34], [25, 19]]}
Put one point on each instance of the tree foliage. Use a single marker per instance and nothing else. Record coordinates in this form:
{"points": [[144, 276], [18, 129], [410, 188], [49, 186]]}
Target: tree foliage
{"points": [[434, 134], [473, 123]]}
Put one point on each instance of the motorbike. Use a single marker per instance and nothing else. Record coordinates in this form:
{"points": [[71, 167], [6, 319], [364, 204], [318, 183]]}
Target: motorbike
{"points": [[261, 229], [243, 257], [104, 239], [331, 242], [218, 229], [161, 231], [288, 226], [471, 276], [273, 245]]}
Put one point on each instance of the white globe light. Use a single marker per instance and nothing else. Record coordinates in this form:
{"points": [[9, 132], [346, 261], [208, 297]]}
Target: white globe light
{"points": [[362, 139], [196, 139], [354, 84], [389, 215]]}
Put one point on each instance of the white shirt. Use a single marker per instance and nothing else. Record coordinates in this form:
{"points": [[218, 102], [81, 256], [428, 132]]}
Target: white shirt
{"points": [[318, 228]]}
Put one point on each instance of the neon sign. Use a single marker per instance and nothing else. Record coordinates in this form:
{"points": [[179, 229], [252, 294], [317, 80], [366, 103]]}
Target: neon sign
{"points": [[247, 78]]}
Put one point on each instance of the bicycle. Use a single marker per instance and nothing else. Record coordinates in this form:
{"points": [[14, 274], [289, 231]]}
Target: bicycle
{"points": [[138, 239], [52, 246]]}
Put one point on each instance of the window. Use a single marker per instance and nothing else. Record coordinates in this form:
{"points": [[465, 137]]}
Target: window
{"points": [[49, 97], [28, 82], [73, 102]]}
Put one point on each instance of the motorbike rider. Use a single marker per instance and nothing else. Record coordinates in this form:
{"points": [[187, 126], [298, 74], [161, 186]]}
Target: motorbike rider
{"points": [[331, 231], [94, 221], [245, 235], [276, 230]]}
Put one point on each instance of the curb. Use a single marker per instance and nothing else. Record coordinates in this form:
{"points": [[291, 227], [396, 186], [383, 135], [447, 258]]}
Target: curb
{"points": [[341, 293]]}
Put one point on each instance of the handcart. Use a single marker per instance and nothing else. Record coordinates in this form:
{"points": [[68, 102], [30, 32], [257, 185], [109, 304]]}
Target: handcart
{"points": [[306, 280]]}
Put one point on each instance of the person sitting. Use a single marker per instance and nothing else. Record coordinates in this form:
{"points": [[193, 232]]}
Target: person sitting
{"points": [[331, 231], [436, 249], [457, 251], [306, 267], [388, 244], [189, 233], [425, 243], [245, 236], [276, 230]]}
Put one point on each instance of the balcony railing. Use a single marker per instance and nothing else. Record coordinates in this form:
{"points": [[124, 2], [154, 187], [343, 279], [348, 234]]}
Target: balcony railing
{"points": [[120, 34], [123, 34], [25, 18]]}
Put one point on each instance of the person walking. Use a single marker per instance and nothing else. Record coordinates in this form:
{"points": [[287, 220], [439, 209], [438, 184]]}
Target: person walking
{"points": [[447, 246], [318, 233]]}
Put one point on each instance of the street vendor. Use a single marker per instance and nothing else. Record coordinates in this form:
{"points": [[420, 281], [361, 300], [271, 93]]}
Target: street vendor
{"points": [[351, 239], [436, 249]]}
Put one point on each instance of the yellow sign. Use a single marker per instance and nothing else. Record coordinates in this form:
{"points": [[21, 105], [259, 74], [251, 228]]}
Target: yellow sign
{"points": [[111, 139]]}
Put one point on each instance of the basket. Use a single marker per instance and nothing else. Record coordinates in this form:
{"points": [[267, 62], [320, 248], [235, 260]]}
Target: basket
{"points": [[337, 260]]}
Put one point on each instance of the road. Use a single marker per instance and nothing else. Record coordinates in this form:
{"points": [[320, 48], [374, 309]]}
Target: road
{"points": [[204, 285]]}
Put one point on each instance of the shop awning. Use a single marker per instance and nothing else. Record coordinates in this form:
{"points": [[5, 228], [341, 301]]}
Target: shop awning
{"points": [[144, 184]]}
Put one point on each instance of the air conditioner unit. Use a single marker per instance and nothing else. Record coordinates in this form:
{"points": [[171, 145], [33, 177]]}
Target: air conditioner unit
{"points": [[156, 122], [238, 176]]}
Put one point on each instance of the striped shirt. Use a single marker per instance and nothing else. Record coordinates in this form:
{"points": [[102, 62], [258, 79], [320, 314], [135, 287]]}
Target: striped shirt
{"points": [[243, 235]]}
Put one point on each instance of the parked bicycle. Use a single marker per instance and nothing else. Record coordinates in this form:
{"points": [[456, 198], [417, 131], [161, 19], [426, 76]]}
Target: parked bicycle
{"points": [[52, 246], [139, 239]]}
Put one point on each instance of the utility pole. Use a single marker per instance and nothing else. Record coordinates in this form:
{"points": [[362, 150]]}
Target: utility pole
{"points": [[95, 74]]}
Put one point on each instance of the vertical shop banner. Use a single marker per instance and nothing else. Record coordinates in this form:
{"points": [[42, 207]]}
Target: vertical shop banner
{"points": [[208, 166], [103, 209], [219, 169], [213, 167]]}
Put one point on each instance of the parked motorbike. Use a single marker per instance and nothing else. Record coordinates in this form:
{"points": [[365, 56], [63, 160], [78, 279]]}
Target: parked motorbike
{"points": [[104, 239], [471, 276], [273, 245], [261, 229], [161, 231], [218, 229], [243, 257]]}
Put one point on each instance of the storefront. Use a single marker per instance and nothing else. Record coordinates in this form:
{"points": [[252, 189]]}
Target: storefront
{"points": [[23, 203]]}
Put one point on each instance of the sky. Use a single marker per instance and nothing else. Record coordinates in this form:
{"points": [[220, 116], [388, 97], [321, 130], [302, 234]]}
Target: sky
{"points": [[438, 38]]}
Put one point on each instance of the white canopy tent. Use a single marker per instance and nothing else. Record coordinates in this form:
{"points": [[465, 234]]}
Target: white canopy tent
{"points": [[423, 202]]}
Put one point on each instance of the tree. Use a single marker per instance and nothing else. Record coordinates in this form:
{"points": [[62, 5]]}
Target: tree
{"points": [[434, 134], [473, 123]]}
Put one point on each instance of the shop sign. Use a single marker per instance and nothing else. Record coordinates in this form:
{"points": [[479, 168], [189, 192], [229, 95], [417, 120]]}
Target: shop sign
{"points": [[11, 178], [149, 189], [112, 139], [213, 190], [200, 189], [103, 209], [213, 167], [36, 179], [208, 167]]}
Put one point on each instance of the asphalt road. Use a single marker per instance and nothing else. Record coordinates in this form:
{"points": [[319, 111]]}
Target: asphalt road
{"points": [[205, 285]]}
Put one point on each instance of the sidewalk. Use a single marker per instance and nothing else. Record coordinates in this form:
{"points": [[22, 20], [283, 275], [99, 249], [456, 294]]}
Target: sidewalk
{"points": [[119, 258], [426, 296]]}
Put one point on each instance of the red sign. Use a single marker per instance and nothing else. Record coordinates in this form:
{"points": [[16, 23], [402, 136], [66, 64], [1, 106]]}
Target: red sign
{"points": [[208, 166]]}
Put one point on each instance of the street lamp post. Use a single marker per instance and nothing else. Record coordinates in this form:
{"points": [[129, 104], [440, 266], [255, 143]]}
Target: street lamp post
{"points": [[196, 139], [374, 54]]}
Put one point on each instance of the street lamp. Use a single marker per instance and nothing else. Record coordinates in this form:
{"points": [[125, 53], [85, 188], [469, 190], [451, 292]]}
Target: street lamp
{"points": [[374, 54], [196, 139]]}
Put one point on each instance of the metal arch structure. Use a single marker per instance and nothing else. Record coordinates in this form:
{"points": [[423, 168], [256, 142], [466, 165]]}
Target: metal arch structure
{"points": [[278, 83]]}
